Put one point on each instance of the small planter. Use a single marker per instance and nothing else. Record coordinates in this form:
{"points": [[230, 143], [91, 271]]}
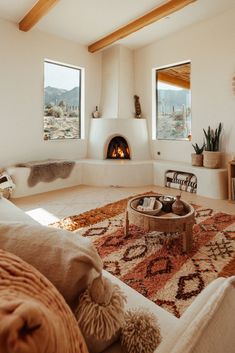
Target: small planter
{"points": [[197, 159], [212, 159]]}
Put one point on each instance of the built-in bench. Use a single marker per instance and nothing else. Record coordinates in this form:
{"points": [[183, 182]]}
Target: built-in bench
{"points": [[210, 182], [108, 172], [20, 176]]}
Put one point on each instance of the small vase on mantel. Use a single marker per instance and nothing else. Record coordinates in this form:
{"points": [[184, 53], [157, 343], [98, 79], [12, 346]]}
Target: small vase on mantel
{"points": [[96, 113], [178, 206]]}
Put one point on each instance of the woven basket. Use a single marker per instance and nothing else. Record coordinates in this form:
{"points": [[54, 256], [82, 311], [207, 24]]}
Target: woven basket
{"points": [[197, 159], [212, 159]]}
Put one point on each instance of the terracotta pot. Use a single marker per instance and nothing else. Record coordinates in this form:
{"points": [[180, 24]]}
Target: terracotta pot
{"points": [[178, 206], [212, 159], [197, 159]]}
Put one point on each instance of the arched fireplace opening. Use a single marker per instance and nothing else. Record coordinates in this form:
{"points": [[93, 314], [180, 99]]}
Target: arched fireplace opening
{"points": [[118, 148]]}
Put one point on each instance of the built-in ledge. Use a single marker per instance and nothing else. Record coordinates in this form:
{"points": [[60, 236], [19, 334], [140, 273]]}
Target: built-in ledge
{"points": [[211, 182]]}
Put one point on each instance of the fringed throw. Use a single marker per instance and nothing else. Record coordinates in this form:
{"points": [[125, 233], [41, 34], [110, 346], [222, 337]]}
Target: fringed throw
{"points": [[181, 180]]}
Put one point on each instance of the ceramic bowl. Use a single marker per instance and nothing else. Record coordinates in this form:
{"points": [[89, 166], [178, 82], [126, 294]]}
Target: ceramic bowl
{"points": [[167, 202]]}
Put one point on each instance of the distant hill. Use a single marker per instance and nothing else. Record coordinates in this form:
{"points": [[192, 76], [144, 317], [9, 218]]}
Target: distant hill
{"points": [[55, 95], [71, 97]]}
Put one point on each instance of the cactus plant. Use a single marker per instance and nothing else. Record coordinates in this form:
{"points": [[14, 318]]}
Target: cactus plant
{"points": [[212, 138], [197, 149]]}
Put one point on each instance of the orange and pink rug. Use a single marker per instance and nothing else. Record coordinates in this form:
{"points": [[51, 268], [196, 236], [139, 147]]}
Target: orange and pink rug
{"points": [[153, 263]]}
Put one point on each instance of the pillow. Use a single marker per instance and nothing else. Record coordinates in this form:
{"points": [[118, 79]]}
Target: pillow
{"points": [[33, 315], [68, 260]]}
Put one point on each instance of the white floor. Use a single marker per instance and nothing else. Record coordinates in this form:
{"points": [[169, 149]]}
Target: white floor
{"points": [[51, 206]]}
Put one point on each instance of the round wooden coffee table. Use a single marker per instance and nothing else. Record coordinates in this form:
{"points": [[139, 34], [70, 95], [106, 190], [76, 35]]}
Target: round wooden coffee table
{"points": [[163, 222]]}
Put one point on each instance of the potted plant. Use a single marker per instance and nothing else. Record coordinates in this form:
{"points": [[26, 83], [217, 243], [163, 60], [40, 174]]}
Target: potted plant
{"points": [[197, 157], [211, 156]]}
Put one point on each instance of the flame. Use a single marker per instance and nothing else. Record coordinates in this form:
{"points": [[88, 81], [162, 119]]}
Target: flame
{"points": [[118, 153]]}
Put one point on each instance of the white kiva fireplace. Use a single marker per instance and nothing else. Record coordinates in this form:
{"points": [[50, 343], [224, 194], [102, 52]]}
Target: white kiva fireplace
{"points": [[118, 135], [118, 148]]}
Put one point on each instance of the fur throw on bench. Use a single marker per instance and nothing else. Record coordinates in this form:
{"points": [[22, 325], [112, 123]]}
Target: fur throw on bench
{"points": [[47, 171]]}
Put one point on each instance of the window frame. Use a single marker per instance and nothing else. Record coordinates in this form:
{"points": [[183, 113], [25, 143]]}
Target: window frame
{"points": [[81, 123], [155, 102]]}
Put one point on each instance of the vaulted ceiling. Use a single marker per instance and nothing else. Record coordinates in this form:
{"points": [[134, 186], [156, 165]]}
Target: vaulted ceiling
{"points": [[87, 21]]}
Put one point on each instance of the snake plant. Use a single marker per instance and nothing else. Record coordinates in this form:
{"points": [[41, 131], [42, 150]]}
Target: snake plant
{"points": [[197, 149], [212, 138]]}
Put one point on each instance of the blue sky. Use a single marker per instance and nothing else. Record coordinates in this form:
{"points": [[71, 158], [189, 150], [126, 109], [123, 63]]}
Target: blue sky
{"points": [[60, 76]]}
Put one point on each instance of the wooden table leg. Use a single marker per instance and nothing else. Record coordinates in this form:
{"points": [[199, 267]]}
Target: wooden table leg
{"points": [[187, 238], [126, 227]]}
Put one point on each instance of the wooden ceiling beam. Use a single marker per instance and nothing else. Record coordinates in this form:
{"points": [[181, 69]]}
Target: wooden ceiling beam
{"points": [[39, 10], [161, 11], [175, 81]]}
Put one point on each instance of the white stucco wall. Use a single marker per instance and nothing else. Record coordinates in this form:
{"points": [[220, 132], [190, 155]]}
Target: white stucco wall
{"points": [[21, 93], [210, 46], [117, 89]]}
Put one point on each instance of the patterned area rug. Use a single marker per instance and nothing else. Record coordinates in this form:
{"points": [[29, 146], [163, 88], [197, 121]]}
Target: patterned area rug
{"points": [[153, 263]]}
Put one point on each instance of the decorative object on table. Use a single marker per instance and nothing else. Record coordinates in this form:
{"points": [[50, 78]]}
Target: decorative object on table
{"points": [[137, 106], [178, 206], [167, 202], [96, 114], [197, 157], [149, 205], [140, 332], [6, 184], [100, 314], [212, 158]]}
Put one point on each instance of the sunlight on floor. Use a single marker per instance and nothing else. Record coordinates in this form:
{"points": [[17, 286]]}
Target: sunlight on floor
{"points": [[42, 216]]}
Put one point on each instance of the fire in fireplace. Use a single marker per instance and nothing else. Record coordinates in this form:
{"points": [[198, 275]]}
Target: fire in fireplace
{"points": [[118, 148]]}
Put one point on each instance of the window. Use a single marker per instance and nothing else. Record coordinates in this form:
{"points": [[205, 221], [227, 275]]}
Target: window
{"points": [[173, 102], [62, 101]]}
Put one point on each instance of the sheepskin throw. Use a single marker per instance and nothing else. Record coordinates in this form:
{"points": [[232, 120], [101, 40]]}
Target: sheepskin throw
{"points": [[48, 170], [33, 315]]}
